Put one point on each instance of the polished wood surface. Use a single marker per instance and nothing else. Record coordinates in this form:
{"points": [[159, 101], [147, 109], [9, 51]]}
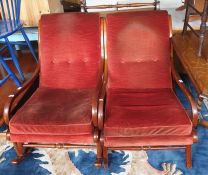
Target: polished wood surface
{"points": [[197, 67]]}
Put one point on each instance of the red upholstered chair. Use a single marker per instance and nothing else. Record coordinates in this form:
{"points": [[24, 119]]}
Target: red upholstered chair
{"points": [[62, 112], [141, 108]]}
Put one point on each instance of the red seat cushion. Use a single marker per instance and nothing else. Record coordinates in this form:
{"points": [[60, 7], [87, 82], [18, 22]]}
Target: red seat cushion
{"points": [[55, 112], [132, 113]]}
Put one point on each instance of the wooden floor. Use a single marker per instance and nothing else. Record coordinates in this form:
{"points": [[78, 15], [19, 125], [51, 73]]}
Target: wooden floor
{"points": [[28, 65]]}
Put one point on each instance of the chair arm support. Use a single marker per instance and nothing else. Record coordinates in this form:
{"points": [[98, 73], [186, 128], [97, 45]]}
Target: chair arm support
{"points": [[17, 95], [94, 109], [188, 95], [101, 105], [95, 97]]}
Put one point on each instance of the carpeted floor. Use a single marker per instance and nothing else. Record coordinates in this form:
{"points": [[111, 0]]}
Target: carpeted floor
{"points": [[80, 162]]}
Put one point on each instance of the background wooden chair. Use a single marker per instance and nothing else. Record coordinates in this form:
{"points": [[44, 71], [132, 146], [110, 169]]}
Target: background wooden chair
{"points": [[62, 112], [142, 111], [155, 4], [203, 14]]}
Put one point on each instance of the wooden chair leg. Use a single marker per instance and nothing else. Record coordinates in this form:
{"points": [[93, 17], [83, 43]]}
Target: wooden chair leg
{"points": [[105, 156], [99, 157], [203, 28], [187, 15], [188, 156], [20, 153]]}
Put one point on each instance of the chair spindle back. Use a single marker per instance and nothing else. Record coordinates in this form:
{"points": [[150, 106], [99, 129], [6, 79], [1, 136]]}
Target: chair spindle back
{"points": [[10, 13]]}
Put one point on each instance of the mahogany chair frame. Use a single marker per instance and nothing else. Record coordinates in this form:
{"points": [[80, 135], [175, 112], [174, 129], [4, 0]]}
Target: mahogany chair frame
{"points": [[14, 100], [180, 83]]}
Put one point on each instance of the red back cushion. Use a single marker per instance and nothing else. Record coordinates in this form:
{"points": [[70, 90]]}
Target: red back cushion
{"points": [[138, 50], [69, 50]]}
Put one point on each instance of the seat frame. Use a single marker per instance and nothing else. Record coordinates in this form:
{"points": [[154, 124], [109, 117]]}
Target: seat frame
{"points": [[15, 100], [180, 83]]}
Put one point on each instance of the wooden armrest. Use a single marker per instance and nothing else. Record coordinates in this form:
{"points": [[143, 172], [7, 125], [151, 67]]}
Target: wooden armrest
{"points": [[95, 103], [20, 91], [101, 95], [181, 85], [101, 105], [188, 95]]}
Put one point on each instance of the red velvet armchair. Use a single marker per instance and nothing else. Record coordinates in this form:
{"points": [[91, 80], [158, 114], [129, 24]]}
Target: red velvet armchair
{"points": [[62, 112], [138, 108]]}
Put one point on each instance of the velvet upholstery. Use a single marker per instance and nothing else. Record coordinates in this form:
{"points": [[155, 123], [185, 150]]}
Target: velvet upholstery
{"points": [[55, 112], [69, 50], [85, 139], [141, 106], [60, 110], [132, 113], [162, 140], [138, 50]]}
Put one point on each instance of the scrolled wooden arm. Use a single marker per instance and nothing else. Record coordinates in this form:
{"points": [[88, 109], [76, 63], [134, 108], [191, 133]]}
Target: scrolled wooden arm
{"points": [[180, 83], [101, 98], [101, 106], [95, 99], [11, 99], [188, 95], [100, 79]]}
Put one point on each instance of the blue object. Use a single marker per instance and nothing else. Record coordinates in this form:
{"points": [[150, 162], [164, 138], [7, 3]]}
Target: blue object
{"points": [[84, 162], [9, 72], [199, 150], [199, 154], [33, 165], [10, 24]]}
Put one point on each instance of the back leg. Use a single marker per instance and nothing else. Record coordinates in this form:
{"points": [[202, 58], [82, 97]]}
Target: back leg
{"points": [[99, 157], [19, 151], [105, 156], [188, 157]]}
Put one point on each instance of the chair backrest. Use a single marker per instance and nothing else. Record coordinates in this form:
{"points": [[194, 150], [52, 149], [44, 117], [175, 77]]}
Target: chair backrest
{"points": [[10, 13], [70, 51], [138, 50]]}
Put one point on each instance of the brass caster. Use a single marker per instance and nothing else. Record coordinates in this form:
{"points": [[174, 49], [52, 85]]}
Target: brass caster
{"points": [[17, 160]]}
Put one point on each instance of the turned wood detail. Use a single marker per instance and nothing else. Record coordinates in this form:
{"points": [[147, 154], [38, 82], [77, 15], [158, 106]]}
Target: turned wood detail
{"points": [[155, 4]]}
